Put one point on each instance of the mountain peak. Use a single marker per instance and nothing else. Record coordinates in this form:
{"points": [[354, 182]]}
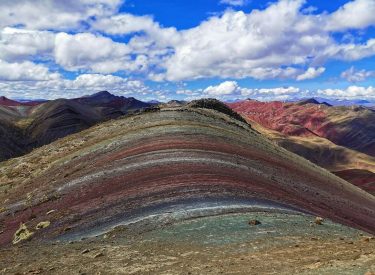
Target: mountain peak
{"points": [[308, 101], [3, 98], [8, 102], [102, 94]]}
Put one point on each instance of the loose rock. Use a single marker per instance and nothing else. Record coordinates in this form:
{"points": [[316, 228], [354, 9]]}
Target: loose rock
{"points": [[42, 225], [254, 222], [319, 220], [85, 251], [100, 254]]}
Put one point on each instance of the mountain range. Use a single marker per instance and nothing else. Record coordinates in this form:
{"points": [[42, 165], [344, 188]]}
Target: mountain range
{"points": [[338, 138], [103, 179], [127, 169], [27, 125]]}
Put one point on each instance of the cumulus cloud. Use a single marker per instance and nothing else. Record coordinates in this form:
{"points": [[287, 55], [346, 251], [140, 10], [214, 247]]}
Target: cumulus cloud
{"points": [[356, 14], [231, 89], [241, 45], [95, 53], [87, 37], [264, 44], [225, 88], [353, 52], [102, 82], [19, 44], [83, 84], [125, 23], [274, 43], [353, 75], [25, 71], [53, 14], [153, 43], [351, 92], [311, 73]]}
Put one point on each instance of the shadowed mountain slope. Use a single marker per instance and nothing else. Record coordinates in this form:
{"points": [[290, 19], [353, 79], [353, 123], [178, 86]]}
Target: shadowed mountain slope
{"points": [[60, 118], [12, 141], [164, 166], [30, 125], [4, 101]]}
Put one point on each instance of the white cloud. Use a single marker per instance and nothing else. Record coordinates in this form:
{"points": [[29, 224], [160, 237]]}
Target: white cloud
{"points": [[102, 82], [352, 52], [53, 14], [94, 53], [352, 92], [18, 44], [231, 90], [149, 40], [239, 45], [83, 84], [126, 23], [25, 71], [353, 75], [311, 73], [225, 88], [278, 93], [265, 44], [234, 2], [277, 42], [356, 14], [189, 93]]}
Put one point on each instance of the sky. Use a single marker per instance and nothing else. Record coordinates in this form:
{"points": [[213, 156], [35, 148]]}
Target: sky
{"points": [[183, 49]]}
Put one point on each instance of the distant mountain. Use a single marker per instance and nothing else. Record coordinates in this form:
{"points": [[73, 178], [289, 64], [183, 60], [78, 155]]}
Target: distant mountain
{"points": [[174, 103], [154, 102], [59, 118], [8, 102], [106, 99], [347, 102], [26, 125], [311, 101], [4, 101], [334, 102], [352, 127], [338, 138]]}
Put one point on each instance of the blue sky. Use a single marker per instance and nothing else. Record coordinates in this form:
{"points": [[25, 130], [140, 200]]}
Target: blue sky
{"points": [[165, 49]]}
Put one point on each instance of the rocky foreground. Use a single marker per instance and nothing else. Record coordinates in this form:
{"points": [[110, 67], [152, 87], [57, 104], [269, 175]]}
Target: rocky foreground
{"points": [[280, 244]]}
